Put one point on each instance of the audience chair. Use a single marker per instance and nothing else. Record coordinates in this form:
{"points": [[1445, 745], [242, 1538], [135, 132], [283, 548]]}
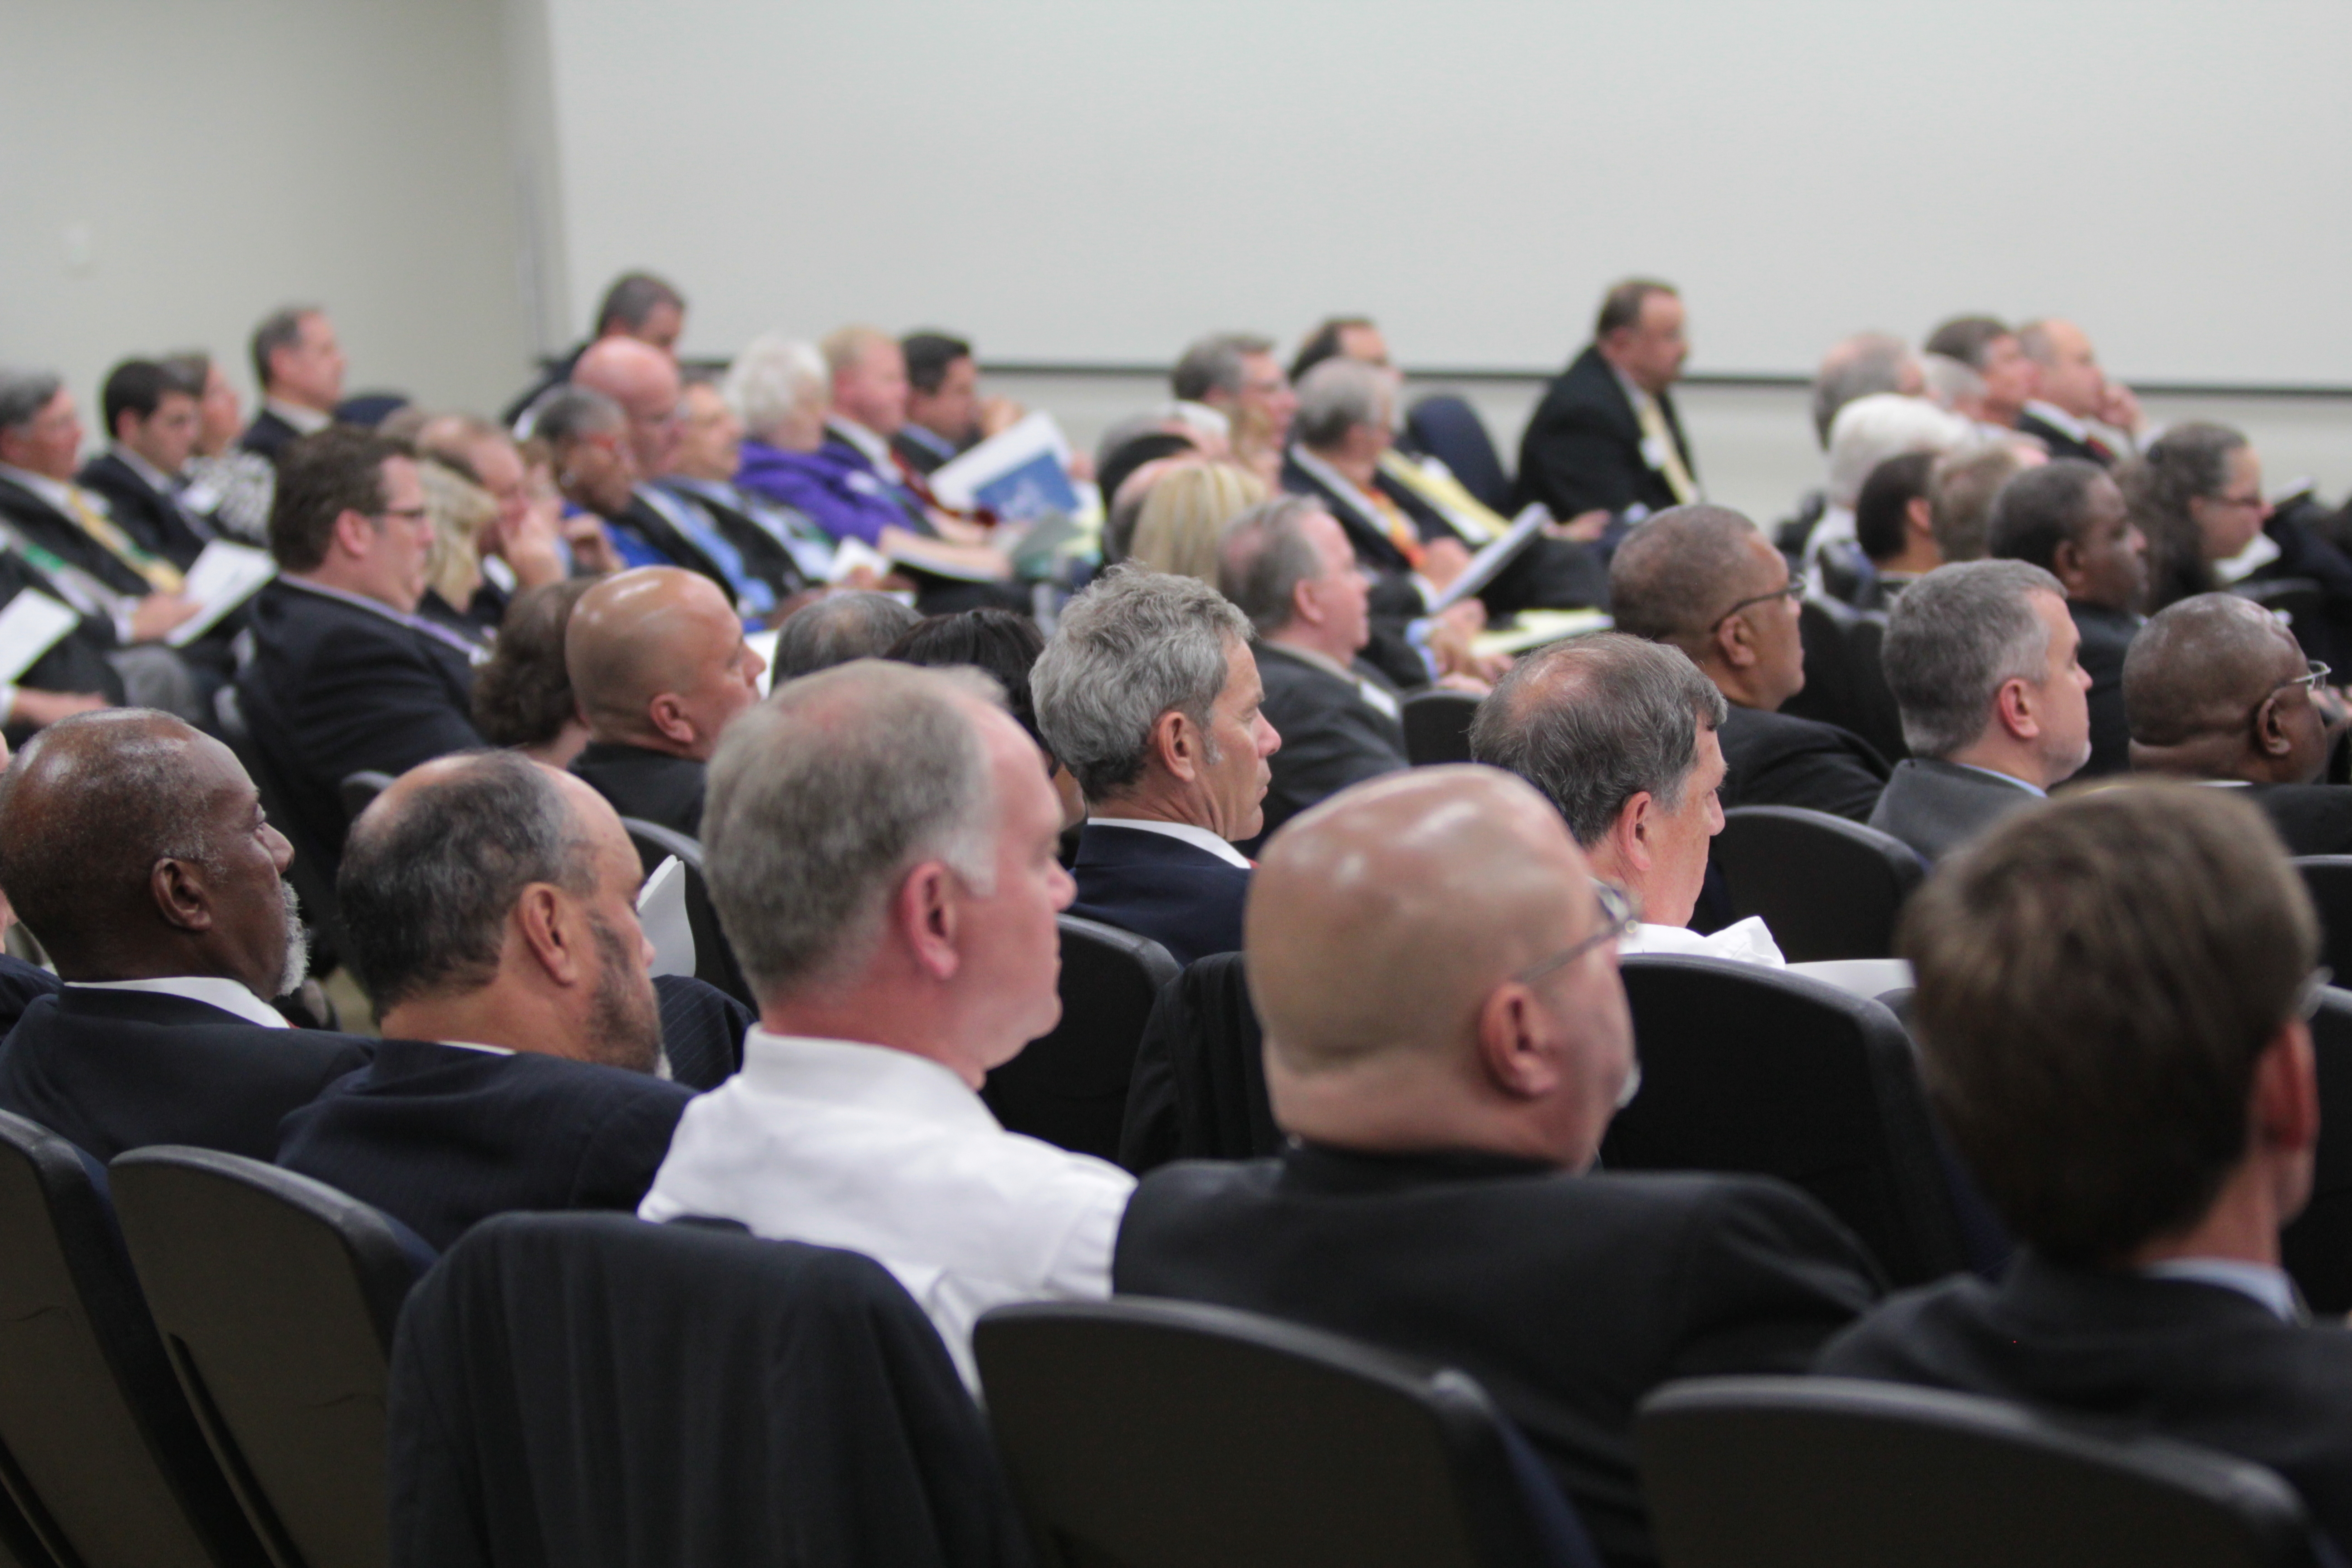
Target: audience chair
{"points": [[360, 791], [1844, 683], [1788, 1472], [590, 1391], [1070, 1086], [1437, 726], [1750, 1068], [1827, 887], [275, 1295], [98, 1448], [1199, 1089], [1449, 429], [1155, 1433], [2329, 879], [714, 959], [2317, 1246]]}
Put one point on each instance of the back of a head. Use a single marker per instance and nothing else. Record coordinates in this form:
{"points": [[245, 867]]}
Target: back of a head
{"points": [[319, 478], [633, 299], [1885, 425], [1327, 341], [1966, 339], [1861, 366], [1185, 511], [453, 440], [1337, 397], [1949, 382], [137, 387], [2188, 460], [2200, 668], [1620, 306], [1678, 570], [837, 628], [570, 413], [1881, 514], [1595, 720], [1953, 638], [1214, 363], [2091, 1010], [845, 348], [1960, 487], [772, 379], [1263, 555], [522, 697], [1000, 644], [623, 368], [2039, 509]]}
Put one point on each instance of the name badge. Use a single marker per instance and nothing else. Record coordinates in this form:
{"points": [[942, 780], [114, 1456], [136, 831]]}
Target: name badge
{"points": [[1378, 700], [1654, 451]]}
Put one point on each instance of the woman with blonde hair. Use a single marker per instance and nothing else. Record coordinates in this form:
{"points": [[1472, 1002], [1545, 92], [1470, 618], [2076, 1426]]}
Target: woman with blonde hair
{"points": [[1186, 511]]}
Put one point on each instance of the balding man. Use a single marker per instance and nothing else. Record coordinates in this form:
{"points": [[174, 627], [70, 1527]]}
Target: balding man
{"points": [[869, 388], [299, 366], [659, 667], [1446, 1039], [1858, 367], [1706, 580], [1605, 438], [2216, 689], [881, 848], [492, 908], [136, 851], [2072, 394]]}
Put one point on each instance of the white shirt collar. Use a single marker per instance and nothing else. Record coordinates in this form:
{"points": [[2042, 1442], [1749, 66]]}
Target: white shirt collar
{"points": [[476, 1046], [2269, 1286], [875, 449], [57, 493], [2058, 419], [858, 1073], [212, 990], [1747, 942], [2033, 789], [308, 421], [1199, 837], [156, 479]]}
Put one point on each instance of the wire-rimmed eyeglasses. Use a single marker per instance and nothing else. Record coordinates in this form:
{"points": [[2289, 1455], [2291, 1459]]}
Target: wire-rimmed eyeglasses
{"points": [[1620, 914]]}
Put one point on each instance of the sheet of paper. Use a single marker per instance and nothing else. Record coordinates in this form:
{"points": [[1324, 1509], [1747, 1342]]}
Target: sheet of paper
{"points": [[1020, 473], [661, 914], [1489, 563], [764, 645], [1533, 629], [224, 576], [29, 627], [850, 554]]}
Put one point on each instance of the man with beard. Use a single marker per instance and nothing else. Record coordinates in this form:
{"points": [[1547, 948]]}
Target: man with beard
{"points": [[491, 903], [135, 848]]}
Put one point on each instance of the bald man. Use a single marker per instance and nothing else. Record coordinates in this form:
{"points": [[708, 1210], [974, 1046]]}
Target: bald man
{"points": [[136, 850], [659, 667], [1446, 1040], [491, 902], [2217, 688]]}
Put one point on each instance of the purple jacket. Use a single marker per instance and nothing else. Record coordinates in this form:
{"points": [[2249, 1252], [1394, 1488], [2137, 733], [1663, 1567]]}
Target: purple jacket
{"points": [[837, 492]]}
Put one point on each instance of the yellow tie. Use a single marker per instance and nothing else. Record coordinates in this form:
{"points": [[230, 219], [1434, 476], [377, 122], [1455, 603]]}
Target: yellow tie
{"points": [[161, 575], [1399, 529], [1435, 484], [1670, 456]]}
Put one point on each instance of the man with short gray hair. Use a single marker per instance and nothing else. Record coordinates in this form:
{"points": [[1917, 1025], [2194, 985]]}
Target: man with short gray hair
{"points": [[880, 843], [1980, 658], [1235, 377], [299, 366], [1149, 695]]}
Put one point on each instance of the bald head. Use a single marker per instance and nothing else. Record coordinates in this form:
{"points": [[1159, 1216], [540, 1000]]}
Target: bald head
{"points": [[2206, 695], [645, 382], [656, 659]]}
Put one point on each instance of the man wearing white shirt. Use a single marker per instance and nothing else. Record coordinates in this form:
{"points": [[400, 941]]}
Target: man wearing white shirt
{"points": [[2072, 394], [300, 366], [881, 845]]}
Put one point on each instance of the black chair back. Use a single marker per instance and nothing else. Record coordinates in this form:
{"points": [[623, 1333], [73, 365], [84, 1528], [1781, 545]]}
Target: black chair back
{"points": [[1070, 1087], [1827, 887], [1165, 1434], [360, 791], [97, 1449], [2329, 879], [1437, 726], [1750, 1069], [2317, 1247], [1449, 429], [1199, 1089], [1780, 1472], [714, 959], [1845, 684], [275, 1295]]}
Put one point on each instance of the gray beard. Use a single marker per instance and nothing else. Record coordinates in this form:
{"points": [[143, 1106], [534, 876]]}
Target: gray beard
{"points": [[297, 947]]}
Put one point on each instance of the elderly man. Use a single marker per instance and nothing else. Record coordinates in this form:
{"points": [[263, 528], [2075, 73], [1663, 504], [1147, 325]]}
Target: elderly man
{"points": [[299, 366], [837, 628], [659, 668], [2072, 394], [881, 851], [492, 908], [1858, 367], [1234, 376], [1605, 438], [1446, 1040], [2110, 1013], [2069, 519], [1866, 433], [639, 305], [2005, 377], [1620, 735], [1706, 580], [136, 851], [153, 416], [1149, 695], [778, 546], [868, 375], [1980, 658]]}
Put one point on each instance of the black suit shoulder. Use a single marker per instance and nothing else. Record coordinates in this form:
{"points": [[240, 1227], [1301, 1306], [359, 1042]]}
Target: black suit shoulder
{"points": [[152, 518], [1583, 448], [44, 526], [1333, 735], [22, 984], [269, 435], [2060, 444], [1936, 807], [77, 661], [1780, 759], [2106, 638], [652, 786], [2312, 819], [1181, 896]]}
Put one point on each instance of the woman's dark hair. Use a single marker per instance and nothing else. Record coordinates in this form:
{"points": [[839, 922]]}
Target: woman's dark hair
{"points": [[1000, 643], [2187, 461], [523, 696]]}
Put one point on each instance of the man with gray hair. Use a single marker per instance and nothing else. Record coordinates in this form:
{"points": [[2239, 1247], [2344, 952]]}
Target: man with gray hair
{"points": [[299, 366], [1149, 695], [836, 628], [2072, 394], [1980, 658], [1235, 377], [881, 845], [1986, 347], [1856, 367]]}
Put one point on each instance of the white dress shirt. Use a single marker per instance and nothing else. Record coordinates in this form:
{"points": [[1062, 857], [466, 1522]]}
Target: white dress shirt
{"points": [[212, 990], [1748, 940], [306, 421], [1197, 837], [891, 1154]]}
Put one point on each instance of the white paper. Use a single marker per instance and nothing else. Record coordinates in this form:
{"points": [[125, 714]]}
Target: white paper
{"points": [[1870, 977], [1489, 563], [29, 627], [764, 645], [224, 576], [661, 915], [959, 483], [850, 554]]}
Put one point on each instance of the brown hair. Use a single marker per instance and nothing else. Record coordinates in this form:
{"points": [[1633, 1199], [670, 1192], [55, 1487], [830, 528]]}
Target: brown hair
{"points": [[319, 478]]}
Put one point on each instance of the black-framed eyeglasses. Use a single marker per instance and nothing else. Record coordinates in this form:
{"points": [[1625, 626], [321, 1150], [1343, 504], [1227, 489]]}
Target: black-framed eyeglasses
{"points": [[1793, 592], [1620, 912], [2310, 682], [2315, 987]]}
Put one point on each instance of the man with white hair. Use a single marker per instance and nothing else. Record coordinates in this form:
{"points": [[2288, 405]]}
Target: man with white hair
{"points": [[2072, 394], [1234, 376], [1865, 433], [1860, 366]]}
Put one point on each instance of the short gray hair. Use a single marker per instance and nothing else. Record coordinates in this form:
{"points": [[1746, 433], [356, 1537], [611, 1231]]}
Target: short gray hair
{"points": [[1264, 555], [1860, 365], [1338, 395], [1594, 721], [1953, 638], [23, 394], [1214, 363], [823, 797], [567, 412], [1131, 648], [837, 628], [772, 379]]}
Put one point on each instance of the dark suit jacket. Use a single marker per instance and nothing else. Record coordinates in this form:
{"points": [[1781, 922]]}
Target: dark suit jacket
{"points": [[2106, 638], [1778, 759], [440, 1136], [1182, 898], [920, 453], [335, 688], [2181, 1359], [153, 516], [647, 523], [109, 1070], [1936, 807], [1582, 449], [652, 786], [702, 1030], [269, 435], [1568, 1298], [739, 520], [77, 661], [45, 527], [2314, 819], [22, 984], [1332, 736], [2062, 444]]}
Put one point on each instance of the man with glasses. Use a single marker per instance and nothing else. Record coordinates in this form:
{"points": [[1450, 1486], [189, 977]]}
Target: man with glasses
{"points": [[1706, 580], [1446, 1040]]}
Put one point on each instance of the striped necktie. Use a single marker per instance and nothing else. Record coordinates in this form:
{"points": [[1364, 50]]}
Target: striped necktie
{"points": [[161, 575]]}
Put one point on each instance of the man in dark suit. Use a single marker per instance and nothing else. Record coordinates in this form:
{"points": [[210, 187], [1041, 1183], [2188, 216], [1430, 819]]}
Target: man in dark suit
{"points": [[946, 415], [2218, 690], [154, 421], [136, 850], [491, 902], [299, 367], [346, 677], [2073, 394], [639, 305], [778, 546], [1446, 1041], [1980, 658], [2143, 1117], [659, 667], [1605, 438], [2069, 519], [1149, 695], [1706, 580]]}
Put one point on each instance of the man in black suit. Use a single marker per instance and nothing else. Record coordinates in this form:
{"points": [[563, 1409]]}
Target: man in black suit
{"points": [[639, 305], [2142, 1114], [1980, 658], [154, 421], [2069, 519], [1149, 695], [1446, 1039], [491, 902], [659, 667], [2217, 689], [2073, 394], [136, 850], [346, 677], [1605, 438], [946, 415], [299, 367], [1705, 579]]}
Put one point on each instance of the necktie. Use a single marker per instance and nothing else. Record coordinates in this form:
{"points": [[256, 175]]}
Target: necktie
{"points": [[753, 596], [1660, 439], [161, 575], [1435, 484], [1399, 530]]}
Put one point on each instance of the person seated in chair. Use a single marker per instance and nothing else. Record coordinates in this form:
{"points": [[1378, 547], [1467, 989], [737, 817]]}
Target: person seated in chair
{"points": [[1148, 693], [153, 419], [846, 624], [136, 851], [1446, 1040], [2111, 1005], [1895, 524]]}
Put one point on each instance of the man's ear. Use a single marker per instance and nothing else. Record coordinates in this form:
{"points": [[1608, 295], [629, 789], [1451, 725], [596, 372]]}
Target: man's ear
{"points": [[1177, 745], [180, 893], [2271, 738], [2066, 564], [2286, 1091], [1305, 604], [353, 531], [1919, 517], [668, 717], [1512, 1049], [2013, 706], [924, 911], [1633, 829], [554, 931], [1733, 644]]}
